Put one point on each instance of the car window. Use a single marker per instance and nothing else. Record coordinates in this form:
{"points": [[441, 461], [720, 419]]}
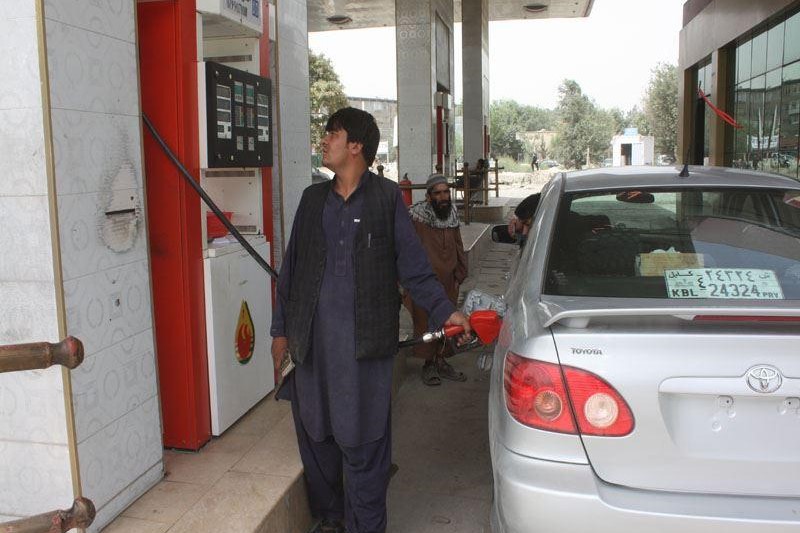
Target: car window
{"points": [[682, 244]]}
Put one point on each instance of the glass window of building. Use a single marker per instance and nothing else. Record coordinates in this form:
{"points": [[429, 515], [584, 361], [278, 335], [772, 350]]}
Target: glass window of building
{"points": [[772, 118], [741, 108], [790, 119], [765, 98], [791, 39], [743, 53], [759, 58], [775, 46], [755, 126]]}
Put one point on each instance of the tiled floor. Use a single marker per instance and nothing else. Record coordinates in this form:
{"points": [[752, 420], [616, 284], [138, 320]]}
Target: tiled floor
{"points": [[231, 484]]}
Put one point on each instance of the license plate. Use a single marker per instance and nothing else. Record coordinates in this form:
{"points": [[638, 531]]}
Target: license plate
{"points": [[724, 283]]}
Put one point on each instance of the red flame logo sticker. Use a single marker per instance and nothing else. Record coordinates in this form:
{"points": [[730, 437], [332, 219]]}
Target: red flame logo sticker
{"points": [[245, 335]]}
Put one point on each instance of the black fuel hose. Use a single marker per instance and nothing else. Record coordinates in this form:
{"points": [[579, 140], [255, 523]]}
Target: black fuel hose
{"points": [[207, 199]]}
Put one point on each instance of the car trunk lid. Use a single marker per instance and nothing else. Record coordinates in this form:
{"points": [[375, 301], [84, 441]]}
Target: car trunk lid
{"points": [[716, 402]]}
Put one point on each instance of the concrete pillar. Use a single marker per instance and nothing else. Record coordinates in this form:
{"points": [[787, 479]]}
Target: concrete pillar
{"points": [[293, 167], [416, 83], [475, 68]]}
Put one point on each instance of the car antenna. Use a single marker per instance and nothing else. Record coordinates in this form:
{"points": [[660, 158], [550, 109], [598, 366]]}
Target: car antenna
{"points": [[685, 170]]}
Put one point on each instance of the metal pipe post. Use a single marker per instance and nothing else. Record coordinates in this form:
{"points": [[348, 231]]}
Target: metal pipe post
{"points": [[38, 355], [80, 515]]}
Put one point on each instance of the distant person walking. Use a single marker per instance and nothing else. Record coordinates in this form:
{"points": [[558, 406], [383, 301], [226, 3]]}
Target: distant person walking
{"points": [[535, 162]]}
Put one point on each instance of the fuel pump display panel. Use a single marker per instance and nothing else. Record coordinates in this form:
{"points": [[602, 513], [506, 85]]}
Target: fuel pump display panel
{"points": [[239, 118]]}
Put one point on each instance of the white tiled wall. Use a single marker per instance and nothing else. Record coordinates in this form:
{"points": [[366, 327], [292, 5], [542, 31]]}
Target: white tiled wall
{"points": [[35, 470], [293, 101], [91, 49]]}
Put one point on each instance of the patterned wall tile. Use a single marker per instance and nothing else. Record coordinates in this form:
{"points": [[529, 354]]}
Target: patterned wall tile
{"points": [[113, 18], [111, 459], [26, 231], [415, 89], [32, 407], [113, 382], [22, 133], [92, 241], [121, 501], [91, 72], [412, 12], [107, 307], [96, 151], [92, 60], [27, 312], [19, 64], [36, 478], [16, 9]]}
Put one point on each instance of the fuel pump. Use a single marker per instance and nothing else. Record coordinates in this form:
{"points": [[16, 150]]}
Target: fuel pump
{"points": [[235, 148], [444, 132], [198, 61]]}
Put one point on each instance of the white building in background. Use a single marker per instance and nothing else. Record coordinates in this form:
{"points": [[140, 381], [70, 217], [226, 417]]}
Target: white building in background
{"points": [[630, 148]]}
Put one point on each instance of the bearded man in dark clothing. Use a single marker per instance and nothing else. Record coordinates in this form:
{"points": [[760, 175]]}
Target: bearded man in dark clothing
{"points": [[436, 222], [337, 314]]}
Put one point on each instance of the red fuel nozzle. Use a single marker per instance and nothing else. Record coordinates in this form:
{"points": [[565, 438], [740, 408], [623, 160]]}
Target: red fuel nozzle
{"points": [[485, 324]]}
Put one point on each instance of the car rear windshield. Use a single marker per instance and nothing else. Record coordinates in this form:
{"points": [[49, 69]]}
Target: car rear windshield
{"points": [[726, 243]]}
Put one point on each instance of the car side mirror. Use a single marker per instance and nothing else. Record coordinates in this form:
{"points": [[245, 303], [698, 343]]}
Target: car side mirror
{"points": [[500, 234]]}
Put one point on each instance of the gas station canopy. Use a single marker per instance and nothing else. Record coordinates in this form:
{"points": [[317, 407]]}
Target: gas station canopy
{"points": [[327, 15]]}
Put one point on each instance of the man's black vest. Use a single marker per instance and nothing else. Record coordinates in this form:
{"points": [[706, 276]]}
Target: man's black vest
{"points": [[377, 300]]}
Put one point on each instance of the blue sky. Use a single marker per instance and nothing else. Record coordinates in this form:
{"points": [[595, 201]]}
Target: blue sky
{"points": [[610, 54]]}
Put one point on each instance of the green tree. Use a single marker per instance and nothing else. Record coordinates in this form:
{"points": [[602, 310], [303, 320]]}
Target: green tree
{"points": [[619, 120], [636, 118], [508, 119], [326, 93], [582, 128], [534, 118], [661, 108], [504, 120]]}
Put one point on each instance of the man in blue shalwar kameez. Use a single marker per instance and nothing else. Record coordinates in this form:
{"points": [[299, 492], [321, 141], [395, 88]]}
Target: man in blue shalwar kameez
{"points": [[337, 312]]}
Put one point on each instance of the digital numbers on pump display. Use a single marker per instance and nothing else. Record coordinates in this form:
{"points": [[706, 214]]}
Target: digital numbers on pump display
{"points": [[238, 108]]}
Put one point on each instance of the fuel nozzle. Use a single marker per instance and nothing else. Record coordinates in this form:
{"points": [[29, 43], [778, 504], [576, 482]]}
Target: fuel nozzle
{"points": [[485, 325]]}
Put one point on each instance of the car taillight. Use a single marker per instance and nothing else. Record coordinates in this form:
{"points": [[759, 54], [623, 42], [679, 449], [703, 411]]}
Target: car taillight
{"points": [[601, 410], [536, 396]]}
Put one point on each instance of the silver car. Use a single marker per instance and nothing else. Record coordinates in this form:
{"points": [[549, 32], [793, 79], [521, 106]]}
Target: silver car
{"points": [[647, 376]]}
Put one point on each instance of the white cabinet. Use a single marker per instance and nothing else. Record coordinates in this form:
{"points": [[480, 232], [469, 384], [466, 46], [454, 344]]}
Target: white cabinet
{"points": [[233, 282]]}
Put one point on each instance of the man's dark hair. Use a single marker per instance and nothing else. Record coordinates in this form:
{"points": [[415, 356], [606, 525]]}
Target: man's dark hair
{"points": [[527, 207], [360, 127]]}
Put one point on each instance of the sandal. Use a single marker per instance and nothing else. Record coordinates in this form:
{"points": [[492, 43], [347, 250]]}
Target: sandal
{"points": [[430, 374], [447, 371]]}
